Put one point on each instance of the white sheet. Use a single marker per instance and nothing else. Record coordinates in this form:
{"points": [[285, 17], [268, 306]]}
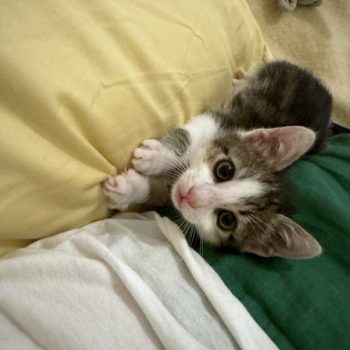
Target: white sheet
{"points": [[130, 282]]}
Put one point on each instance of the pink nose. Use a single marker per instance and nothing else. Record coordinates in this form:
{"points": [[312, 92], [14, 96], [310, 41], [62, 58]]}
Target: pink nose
{"points": [[188, 197]]}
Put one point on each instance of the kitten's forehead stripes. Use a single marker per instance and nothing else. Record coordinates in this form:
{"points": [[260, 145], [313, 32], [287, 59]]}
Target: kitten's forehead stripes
{"points": [[178, 140], [268, 200], [248, 163], [245, 212], [224, 149]]}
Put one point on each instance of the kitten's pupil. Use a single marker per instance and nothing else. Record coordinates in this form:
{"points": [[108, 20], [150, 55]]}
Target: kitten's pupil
{"points": [[226, 220], [224, 170]]}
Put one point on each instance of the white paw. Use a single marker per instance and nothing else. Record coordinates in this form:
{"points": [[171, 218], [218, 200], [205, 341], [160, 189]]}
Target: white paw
{"points": [[152, 158], [126, 189]]}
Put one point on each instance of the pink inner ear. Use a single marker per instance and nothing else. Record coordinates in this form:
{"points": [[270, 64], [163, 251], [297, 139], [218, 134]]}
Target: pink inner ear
{"points": [[281, 146]]}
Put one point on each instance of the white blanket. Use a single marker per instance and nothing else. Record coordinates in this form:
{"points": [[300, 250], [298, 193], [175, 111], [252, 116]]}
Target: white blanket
{"points": [[130, 282]]}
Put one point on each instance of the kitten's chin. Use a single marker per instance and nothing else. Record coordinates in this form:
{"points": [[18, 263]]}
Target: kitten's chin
{"points": [[209, 237], [188, 213], [202, 224]]}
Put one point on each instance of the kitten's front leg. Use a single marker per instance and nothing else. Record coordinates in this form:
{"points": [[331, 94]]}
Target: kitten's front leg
{"points": [[240, 75], [126, 189], [155, 157], [152, 158], [238, 83]]}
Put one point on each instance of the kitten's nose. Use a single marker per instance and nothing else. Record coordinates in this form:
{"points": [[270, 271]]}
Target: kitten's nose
{"points": [[188, 197]]}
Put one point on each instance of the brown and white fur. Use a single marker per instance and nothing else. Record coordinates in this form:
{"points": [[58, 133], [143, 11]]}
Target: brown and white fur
{"points": [[225, 179]]}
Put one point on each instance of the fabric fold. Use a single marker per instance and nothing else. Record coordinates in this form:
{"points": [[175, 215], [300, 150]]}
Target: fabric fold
{"points": [[129, 282]]}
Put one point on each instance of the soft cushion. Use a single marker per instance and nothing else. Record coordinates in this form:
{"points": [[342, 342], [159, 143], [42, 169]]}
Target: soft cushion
{"points": [[84, 82]]}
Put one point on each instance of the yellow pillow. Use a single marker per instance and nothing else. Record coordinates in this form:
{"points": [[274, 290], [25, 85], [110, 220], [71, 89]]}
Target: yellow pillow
{"points": [[83, 82]]}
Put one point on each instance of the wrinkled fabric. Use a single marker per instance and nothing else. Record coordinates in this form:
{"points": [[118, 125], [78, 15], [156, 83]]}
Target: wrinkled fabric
{"points": [[130, 282]]}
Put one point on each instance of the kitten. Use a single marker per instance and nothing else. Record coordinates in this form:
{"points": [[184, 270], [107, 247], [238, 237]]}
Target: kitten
{"points": [[223, 170]]}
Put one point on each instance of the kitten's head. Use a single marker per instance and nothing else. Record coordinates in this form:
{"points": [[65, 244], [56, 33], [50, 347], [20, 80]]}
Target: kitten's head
{"points": [[232, 192]]}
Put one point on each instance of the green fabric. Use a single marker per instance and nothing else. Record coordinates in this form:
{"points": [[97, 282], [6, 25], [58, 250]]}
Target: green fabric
{"points": [[303, 304]]}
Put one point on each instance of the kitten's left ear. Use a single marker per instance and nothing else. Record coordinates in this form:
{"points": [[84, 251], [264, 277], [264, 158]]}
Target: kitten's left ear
{"points": [[283, 238], [281, 146]]}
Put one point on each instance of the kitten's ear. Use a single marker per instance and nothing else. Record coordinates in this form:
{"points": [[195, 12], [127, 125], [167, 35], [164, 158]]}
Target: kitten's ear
{"points": [[281, 146], [283, 238]]}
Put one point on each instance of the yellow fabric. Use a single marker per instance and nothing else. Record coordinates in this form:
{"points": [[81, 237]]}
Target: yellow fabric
{"points": [[83, 82]]}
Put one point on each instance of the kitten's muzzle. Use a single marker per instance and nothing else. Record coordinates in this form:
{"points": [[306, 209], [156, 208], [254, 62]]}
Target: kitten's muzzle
{"points": [[187, 196]]}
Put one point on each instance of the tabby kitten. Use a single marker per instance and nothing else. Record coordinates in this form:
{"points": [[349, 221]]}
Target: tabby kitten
{"points": [[223, 170]]}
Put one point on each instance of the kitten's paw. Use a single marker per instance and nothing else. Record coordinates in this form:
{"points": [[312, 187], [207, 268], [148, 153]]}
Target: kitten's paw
{"points": [[238, 78], [126, 189], [240, 74], [151, 158]]}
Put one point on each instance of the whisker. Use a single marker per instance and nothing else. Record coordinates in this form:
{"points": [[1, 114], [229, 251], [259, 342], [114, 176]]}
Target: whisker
{"points": [[183, 227], [201, 248], [256, 217], [256, 221], [172, 174], [253, 218], [193, 236], [256, 233], [188, 233]]}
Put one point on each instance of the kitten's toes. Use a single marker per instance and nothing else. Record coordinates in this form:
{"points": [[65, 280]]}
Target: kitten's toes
{"points": [[148, 158], [110, 184], [240, 74], [126, 189], [148, 149], [238, 78]]}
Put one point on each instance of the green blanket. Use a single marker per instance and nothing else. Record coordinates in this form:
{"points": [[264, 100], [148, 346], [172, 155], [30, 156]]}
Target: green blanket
{"points": [[303, 304]]}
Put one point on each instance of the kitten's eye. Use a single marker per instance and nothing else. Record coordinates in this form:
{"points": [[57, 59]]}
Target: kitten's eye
{"points": [[224, 170], [226, 220]]}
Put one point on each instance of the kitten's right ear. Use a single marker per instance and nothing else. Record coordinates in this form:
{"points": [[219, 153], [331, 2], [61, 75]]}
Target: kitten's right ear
{"points": [[280, 146], [283, 238]]}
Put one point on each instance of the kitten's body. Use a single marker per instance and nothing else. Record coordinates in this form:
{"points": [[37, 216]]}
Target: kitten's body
{"points": [[222, 169], [279, 94]]}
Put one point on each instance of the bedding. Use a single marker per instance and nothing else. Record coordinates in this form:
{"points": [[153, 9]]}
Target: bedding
{"points": [[299, 304], [130, 282], [84, 82]]}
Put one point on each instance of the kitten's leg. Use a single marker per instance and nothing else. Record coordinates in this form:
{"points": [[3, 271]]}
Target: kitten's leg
{"points": [[238, 77], [155, 157], [238, 83], [152, 158], [130, 188], [126, 189]]}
